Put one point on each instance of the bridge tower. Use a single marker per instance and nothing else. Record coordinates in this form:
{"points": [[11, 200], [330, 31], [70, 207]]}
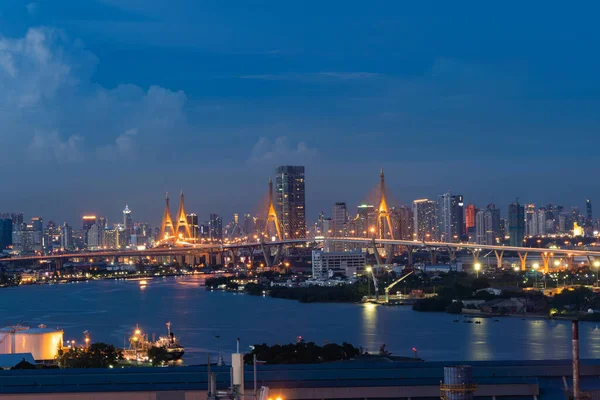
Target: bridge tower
{"points": [[383, 213], [166, 227], [182, 224], [272, 215]]}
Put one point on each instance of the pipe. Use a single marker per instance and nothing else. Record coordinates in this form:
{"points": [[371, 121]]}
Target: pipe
{"points": [[576, 392]]}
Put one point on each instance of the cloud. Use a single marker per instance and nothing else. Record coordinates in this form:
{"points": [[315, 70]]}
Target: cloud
{"points": [[32, 8], [49, 146], [315, 76], [280, 151], [50, 107]]}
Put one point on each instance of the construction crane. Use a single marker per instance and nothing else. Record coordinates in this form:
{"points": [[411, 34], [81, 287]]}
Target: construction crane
{"points": [[371, 270], [387, 289]]}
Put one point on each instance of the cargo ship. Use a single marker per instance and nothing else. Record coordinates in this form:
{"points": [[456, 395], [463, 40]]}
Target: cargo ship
{"points": [[139, 346]]}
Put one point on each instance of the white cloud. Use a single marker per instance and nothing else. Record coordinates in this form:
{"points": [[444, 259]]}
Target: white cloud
{"points": [[46, 87], [32, 8], [280, 151], [315, 76], [49, 146]]}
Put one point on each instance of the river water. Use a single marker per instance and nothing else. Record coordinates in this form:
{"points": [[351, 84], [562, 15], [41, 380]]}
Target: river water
{"points": [[111, 309]]}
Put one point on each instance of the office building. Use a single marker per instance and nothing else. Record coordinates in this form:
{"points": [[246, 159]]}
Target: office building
{"points": [[340, 217], [215, 226], [192, 220], [88, 221], [248, 225], [5, 232], [110, 239], [66, 237], [402, 222], [95, 237], [424, 215], [366, 220], [487, 226], [326, 264], [516, 224], [450, 215], [530, 224], [27, 240], [17, 221], [290, 201]]}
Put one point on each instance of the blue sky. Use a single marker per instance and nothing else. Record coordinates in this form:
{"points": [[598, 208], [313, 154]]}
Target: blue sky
{"points": [[110, 102]]}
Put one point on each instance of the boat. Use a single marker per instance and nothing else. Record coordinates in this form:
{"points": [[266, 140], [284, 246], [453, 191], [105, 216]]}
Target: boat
{"points": [[143, 283], [174, 350]]}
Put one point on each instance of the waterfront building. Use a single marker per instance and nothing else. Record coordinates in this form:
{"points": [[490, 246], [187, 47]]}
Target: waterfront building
{"points": [[290, 201], [450, 212], [95, 237], [424, 215], [516, 224], [27, 240], [348, 263], [88, 221]]}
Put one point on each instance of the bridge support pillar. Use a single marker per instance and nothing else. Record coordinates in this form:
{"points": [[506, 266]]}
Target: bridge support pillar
{"points": [[409, 258], [266, 254], [376, 253], [546, 261], [523, 258], [433, 256], [234, 256], [499, 254], [390, 254], [59, 263], [278, 254]]}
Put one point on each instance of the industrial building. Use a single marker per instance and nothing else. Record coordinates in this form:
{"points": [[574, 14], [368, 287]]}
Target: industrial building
{"points": [[41, 342], [500, 380]]}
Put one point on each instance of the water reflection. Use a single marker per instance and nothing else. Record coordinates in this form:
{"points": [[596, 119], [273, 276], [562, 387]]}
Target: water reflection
{"points": [[369, 327], [478, 345]]}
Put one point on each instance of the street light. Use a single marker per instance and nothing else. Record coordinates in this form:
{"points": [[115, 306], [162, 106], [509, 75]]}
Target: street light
{"points": [[477, 267], [369, 269]]}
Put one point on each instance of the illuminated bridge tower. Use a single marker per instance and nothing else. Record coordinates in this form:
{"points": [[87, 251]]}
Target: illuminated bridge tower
{"points": [[272, 215], [167, 230], [383, 213], [183, 228]]}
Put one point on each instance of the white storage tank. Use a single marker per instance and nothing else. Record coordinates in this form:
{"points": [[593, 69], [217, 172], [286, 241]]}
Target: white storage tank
{"points": [[41, 342]]}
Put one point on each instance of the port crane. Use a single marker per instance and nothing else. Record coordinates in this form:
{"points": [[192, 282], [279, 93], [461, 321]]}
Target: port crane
{"points": [[371, 270], [387, 289]]}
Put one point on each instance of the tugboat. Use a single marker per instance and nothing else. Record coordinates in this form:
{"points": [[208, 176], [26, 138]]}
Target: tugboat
{"points": [[170, 344]]}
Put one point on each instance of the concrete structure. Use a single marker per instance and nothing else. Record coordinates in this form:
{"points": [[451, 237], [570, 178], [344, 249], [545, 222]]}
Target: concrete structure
{"points": [[450, 215], [424, 219], [516, 224], [325, 264], [66, 237]]}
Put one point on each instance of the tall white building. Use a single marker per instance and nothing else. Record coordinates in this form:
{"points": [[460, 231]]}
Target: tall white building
{"points": [[487, 225], [424, 215], [340, 218], [66, 237], [326, 264], [95, 237], [450, 216]]}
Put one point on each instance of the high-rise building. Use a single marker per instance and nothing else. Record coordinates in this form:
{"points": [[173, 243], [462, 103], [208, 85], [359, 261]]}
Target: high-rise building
{"points": [[450, 217], [516, 224], [127, 219], [95, 237], [290, 201], [340, 217], [5, 232], [588, 209], [37, 224], [402, 222], [17, 221], [66, 237], [530, 224], [111, 239], [27, 240], [215, 226], [424, 215], [192, 220], [470, 212], [88, 221], [248, 225], [487, 226], [103, 222], [366, 220]]}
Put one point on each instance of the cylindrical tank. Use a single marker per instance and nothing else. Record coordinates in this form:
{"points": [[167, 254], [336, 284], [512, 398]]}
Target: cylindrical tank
{"points": [[458, 383], [42, 342]]}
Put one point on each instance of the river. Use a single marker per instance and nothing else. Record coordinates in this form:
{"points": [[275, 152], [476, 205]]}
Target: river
{"points": [[111, 309]]}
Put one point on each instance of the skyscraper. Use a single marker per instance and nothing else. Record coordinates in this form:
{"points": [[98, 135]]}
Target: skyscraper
{"points": [[66, 237], [450, 217], [487, 226], [290, 201], [516, 224], [340, 217], [402, 221], [192, 220], [215, 226], [88, 221], [127, 220], [424, 219], [588, 209], [367, 219], [5, 232]]}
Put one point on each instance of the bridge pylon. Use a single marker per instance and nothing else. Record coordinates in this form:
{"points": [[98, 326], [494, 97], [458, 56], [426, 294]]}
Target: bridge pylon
{"points": [[166, 226], [182, 221], [272, 215], [383, 213]]}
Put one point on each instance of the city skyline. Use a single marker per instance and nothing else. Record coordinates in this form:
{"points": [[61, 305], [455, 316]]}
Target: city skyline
{"points": [[88, 112]]}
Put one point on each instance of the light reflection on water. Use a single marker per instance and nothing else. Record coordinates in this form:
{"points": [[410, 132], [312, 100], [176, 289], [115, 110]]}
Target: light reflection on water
{"points": [[111, 309]]}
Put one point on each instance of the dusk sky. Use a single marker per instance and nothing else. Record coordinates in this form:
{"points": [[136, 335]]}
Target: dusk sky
{"points": [[112, 102]]}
